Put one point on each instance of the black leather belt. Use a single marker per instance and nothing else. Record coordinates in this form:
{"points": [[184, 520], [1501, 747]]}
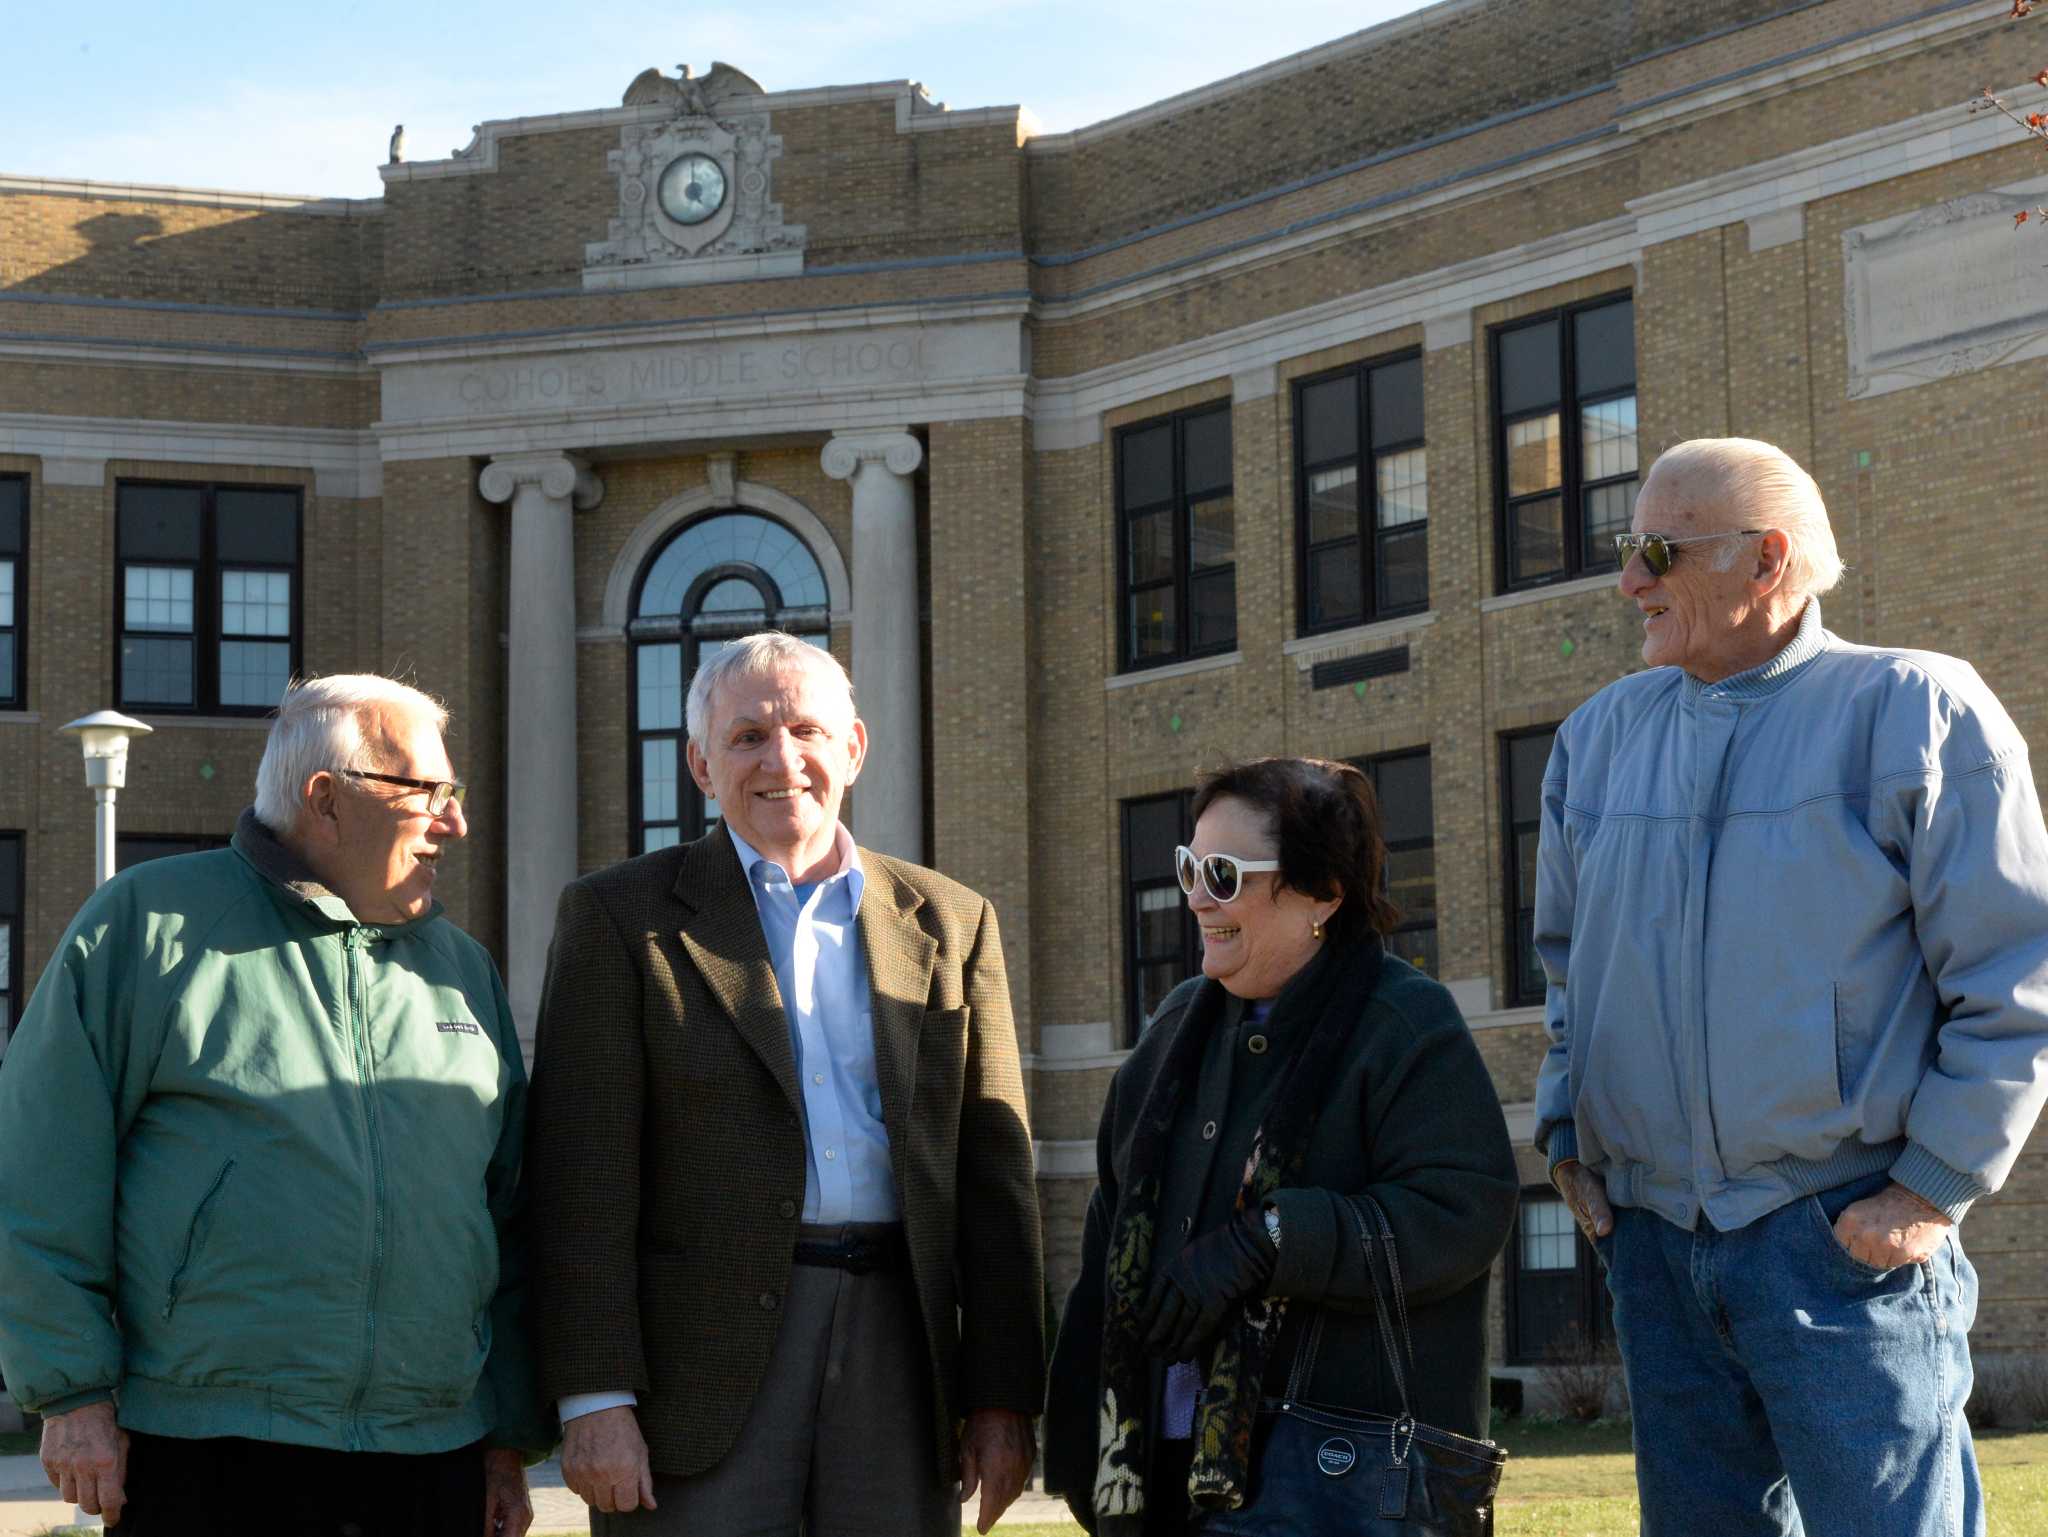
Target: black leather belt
{"points": [[857, 1256]]}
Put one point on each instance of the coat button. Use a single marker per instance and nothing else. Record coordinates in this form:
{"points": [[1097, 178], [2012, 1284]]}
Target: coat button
{"points": [[1209, 1132], [768, 1302], [788, 1208], [1256, 1045]]}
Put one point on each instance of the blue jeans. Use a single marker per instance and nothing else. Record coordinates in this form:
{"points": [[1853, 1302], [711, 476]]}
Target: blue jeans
{"points": [[1782, 1388]]}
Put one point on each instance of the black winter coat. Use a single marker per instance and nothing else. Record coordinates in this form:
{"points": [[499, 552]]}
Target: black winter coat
{"points": [[1412, 1120]]}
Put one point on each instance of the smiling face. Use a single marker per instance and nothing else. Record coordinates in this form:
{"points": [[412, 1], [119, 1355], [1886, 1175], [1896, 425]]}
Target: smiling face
{"points": [[780, 749], [1256, 943], [375, 845], [1711, 622]]}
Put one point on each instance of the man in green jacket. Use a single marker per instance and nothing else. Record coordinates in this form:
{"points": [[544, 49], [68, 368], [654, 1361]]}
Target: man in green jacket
{"points": [[260, 1137]]}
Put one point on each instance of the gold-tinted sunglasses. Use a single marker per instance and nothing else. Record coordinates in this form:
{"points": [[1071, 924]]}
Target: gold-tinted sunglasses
{"points": [[1658, 550]]}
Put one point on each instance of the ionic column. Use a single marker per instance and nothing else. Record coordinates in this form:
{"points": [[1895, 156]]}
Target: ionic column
{"points": [[540, 707], [887, 680]]}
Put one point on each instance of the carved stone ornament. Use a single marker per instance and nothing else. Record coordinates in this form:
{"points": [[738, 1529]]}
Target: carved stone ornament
{"points": [[1943, 291], [656, 241]]}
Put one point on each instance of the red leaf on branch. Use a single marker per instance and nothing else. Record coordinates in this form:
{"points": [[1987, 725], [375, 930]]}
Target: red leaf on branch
{"points": [[2042, 78], [2019, 218], [2037, 119], [2021, 8]]}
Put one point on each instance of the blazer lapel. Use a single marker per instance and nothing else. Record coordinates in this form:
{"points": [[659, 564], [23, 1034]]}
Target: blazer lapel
{"points": [[723, 939], [899, 956]]}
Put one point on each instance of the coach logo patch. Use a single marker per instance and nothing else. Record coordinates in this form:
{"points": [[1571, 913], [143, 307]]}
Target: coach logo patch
{"points": [[457, 1027], [1336, 1457]]}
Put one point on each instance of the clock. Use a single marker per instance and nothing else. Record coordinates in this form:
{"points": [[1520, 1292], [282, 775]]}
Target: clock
{"points": [[692, 188]]}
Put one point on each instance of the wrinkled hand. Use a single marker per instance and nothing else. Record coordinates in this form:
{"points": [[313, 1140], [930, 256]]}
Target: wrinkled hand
{"points": [[996, 1452], [85, 1457], [508, 1509], [1586, 1194], [1189, 1299], [605, 1461], [1893, 1227]]}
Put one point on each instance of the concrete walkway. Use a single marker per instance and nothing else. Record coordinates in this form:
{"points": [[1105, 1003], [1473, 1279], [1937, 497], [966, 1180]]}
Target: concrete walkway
{"points": [[28, 1505]]}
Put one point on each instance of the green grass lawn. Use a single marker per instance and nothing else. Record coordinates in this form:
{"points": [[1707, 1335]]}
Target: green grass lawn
{"points": [[1579, 1481]]}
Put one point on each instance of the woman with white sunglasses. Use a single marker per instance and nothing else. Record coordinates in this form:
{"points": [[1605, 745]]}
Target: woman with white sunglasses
{"points": [[1305, 1071]]}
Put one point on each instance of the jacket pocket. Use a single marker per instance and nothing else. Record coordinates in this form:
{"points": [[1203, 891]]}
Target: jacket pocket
{"points": [[195, 1236]]}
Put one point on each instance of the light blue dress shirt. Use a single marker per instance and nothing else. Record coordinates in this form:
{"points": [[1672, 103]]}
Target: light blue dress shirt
{"points": [[822, 973]]}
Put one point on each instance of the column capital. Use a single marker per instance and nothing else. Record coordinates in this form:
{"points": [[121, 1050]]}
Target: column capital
{"points": [[894, 448], [563, 477]]}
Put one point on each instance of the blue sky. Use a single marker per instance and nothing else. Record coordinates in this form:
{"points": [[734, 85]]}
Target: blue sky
{"points": [[286, 96]]}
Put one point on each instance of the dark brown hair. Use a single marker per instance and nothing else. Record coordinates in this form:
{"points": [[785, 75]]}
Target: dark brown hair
{"points": [[1327, 822]]}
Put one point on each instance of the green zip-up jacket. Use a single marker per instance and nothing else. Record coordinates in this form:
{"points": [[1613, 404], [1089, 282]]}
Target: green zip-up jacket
{"points": [[259, 1169]]}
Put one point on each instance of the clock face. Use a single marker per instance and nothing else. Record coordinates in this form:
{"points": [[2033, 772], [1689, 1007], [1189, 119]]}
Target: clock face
{"points": [[692, 189]]}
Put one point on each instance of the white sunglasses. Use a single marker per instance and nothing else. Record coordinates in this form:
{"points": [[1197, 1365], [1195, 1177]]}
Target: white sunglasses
{"points": [[1221, 875]]}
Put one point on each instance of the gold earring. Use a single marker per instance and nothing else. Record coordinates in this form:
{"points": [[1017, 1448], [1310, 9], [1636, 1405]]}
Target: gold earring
{"points": [[1315, 930]]}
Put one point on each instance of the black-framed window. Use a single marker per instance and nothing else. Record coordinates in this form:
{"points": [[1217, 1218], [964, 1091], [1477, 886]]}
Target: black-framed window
{"points": [[712, 581], [131, 849], [1408, 822], [13, 588], [1524, 755], [1557, 1301], [11, 894], [1564, 440], [1176, 539], [207, 600], [1162, 946], [1361, 495]]}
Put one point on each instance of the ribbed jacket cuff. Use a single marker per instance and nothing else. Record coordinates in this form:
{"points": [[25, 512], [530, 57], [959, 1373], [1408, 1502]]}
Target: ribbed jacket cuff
{"points": [[1563, 1143], [70, 1401], [1949, 1190]]}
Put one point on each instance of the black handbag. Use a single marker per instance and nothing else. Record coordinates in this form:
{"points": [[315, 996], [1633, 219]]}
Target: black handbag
{"points": [[1324, 1472]]}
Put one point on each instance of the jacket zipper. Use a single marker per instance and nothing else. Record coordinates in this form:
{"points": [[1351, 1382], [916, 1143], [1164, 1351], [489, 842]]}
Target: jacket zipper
{"points": [[359, 1039], [192, 1237]]}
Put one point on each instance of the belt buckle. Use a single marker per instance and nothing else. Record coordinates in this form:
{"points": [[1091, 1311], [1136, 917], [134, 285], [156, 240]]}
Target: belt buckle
{"points": [[862, 1256]]}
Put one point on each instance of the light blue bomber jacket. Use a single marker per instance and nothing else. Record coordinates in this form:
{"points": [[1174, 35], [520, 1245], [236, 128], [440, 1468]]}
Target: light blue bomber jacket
{"points": [[1795, 929]]}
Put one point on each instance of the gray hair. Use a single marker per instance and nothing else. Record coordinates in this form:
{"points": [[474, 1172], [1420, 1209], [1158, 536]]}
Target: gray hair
{"points": [[320, 725], [751, 656], [1771, 491]]}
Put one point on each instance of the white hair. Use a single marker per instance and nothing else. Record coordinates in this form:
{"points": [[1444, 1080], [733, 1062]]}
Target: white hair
{"points": [[327, 724], [752, 656], [1751, 484]]}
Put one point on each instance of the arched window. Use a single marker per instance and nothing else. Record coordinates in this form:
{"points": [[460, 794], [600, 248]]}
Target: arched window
{"points": [[714, 580]]}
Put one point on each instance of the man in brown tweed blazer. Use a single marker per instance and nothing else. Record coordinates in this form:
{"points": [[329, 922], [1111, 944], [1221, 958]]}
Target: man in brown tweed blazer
{"points": [[787, 1233]]}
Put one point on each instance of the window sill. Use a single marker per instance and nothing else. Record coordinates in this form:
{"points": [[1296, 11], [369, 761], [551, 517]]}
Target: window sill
{"points": [[1189, 669], [1604, 581], [21, 717], [1500, 1019], [1307, 650], [207, 722]]}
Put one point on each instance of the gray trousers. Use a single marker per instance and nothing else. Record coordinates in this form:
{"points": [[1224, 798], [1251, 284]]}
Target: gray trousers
{"points": [[838, 1441]]}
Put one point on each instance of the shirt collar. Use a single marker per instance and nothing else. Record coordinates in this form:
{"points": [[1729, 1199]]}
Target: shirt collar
{"points": [[759, 866]]}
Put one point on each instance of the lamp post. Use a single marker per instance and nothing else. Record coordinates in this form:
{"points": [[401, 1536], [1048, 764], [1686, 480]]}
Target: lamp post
{"points": [[104, 735]]}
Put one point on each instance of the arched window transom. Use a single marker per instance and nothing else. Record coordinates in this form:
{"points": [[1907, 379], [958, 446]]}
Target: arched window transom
{"points": [[714, 580]]}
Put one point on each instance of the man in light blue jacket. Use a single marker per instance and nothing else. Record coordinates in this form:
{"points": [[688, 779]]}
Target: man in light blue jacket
{"points": [[1792, 903]]}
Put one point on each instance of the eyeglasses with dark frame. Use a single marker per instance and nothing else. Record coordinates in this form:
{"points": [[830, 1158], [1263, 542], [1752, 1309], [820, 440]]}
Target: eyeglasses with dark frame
{"points": [[439, 791], [1658, 550]]}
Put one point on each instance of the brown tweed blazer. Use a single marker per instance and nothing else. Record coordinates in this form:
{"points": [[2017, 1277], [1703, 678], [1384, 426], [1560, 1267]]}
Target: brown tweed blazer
{"points": [[665, 1150]]}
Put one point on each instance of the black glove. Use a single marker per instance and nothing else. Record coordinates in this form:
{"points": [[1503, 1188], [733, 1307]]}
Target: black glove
{"points": [[1189, 1299]]}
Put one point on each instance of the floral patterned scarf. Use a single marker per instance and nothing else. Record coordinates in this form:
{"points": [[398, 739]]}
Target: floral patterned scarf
{"points": [[1327, 997]]}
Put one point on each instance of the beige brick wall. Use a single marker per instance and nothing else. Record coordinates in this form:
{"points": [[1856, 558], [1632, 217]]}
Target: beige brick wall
{"points": [[1030, 753]]}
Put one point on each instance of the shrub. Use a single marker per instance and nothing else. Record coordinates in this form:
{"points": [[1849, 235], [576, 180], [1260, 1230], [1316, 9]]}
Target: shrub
{"points": [[2011, 1392], [1505, 1394], [1582, 1380]]}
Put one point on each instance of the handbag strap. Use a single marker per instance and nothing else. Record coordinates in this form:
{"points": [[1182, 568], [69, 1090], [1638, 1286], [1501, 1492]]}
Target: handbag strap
{"points": [[1304, 1367]]}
